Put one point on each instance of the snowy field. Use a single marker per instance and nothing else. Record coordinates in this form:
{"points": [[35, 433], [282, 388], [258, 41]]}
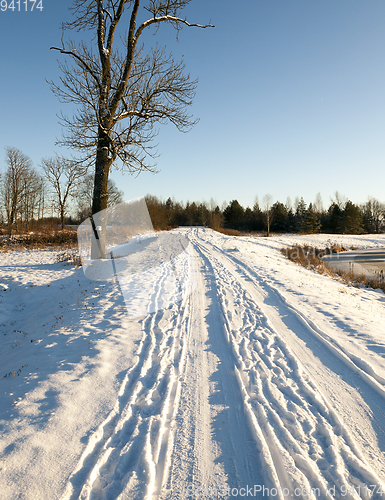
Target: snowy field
{"points": [[266, 381]]}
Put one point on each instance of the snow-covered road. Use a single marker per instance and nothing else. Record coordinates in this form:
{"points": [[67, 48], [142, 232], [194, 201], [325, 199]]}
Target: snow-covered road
{"points": [[266, 381]]}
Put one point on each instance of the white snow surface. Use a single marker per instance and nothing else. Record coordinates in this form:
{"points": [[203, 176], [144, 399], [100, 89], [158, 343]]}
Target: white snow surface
{"points": [[266, 381]]}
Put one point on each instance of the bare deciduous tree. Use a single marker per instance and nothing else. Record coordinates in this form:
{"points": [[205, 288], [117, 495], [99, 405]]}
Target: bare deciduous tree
{"points": [[374, 214], [32, 199], [121, 94], [64, 176], [21, 190], [318, 204], [267, 205], [339, 199], [84, 195], [14, 184]]}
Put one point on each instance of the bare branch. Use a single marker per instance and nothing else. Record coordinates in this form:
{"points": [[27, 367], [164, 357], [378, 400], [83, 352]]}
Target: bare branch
{"points": [[173, 19], [121, 94], [64, 176], [77, 57]]}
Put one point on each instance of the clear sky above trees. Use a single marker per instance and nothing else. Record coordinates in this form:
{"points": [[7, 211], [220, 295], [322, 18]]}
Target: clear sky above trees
{"points": [[291, 99]]}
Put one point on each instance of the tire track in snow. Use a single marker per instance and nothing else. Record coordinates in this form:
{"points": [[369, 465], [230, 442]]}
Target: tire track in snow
{"points": [[353, 362], [128, 455], [307, 442], [362, 400], [214, 448]]}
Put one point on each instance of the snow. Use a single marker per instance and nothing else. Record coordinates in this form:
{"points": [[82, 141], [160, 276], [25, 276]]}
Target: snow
{"points": [[263, 379]]}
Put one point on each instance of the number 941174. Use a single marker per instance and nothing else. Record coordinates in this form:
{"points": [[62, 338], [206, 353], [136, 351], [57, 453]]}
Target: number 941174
{"points": [[21, 5]]}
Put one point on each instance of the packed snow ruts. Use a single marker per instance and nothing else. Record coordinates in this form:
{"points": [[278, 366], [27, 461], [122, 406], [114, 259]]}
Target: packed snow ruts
{"points": [[240, 384], [313, 451]]}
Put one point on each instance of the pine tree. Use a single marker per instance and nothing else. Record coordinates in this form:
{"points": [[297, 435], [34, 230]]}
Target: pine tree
{"points": [[333, 219], [351, 220], [300, 215], [311, 223], [279, 223], [234, 215]]}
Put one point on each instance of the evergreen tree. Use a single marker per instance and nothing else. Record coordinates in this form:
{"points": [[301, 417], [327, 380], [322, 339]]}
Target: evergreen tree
{"points": [[351, 220], [234, 215], [311, 223], [203, 215], [300, 213], [192, 214], [248, 219], [290, 223], [333, 219], [256, 222], [179, 216], [280, 220]]}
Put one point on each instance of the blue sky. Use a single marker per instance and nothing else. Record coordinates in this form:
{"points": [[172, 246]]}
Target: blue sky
{"points": [[291, 100]]}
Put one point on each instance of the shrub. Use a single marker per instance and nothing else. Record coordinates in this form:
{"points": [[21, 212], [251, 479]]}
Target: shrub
{"points": [[307, 256], [70, 255]]}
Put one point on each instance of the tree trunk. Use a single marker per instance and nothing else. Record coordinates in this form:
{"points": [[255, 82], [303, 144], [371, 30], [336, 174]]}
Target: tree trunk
{"points": [[62, 217], [100, 197]]}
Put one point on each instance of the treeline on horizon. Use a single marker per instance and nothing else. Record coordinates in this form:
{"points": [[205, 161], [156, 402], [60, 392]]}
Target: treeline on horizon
{"points": [[341, 217]]}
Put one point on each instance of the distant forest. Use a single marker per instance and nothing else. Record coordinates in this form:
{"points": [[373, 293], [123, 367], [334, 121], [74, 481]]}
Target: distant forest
{"points": [[342, 216]]}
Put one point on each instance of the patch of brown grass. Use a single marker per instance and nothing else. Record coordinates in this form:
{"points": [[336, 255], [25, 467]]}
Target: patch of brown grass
{"points": [[310, 257], [307, 256], [42, 239], [227, 232], [358, 280]]}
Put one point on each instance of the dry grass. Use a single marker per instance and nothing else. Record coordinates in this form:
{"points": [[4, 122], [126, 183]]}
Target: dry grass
{"points": [[235, 232], [310, 257], [227, 232], [70, 255], [52, 239], [42, 239], [306, 256]]}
